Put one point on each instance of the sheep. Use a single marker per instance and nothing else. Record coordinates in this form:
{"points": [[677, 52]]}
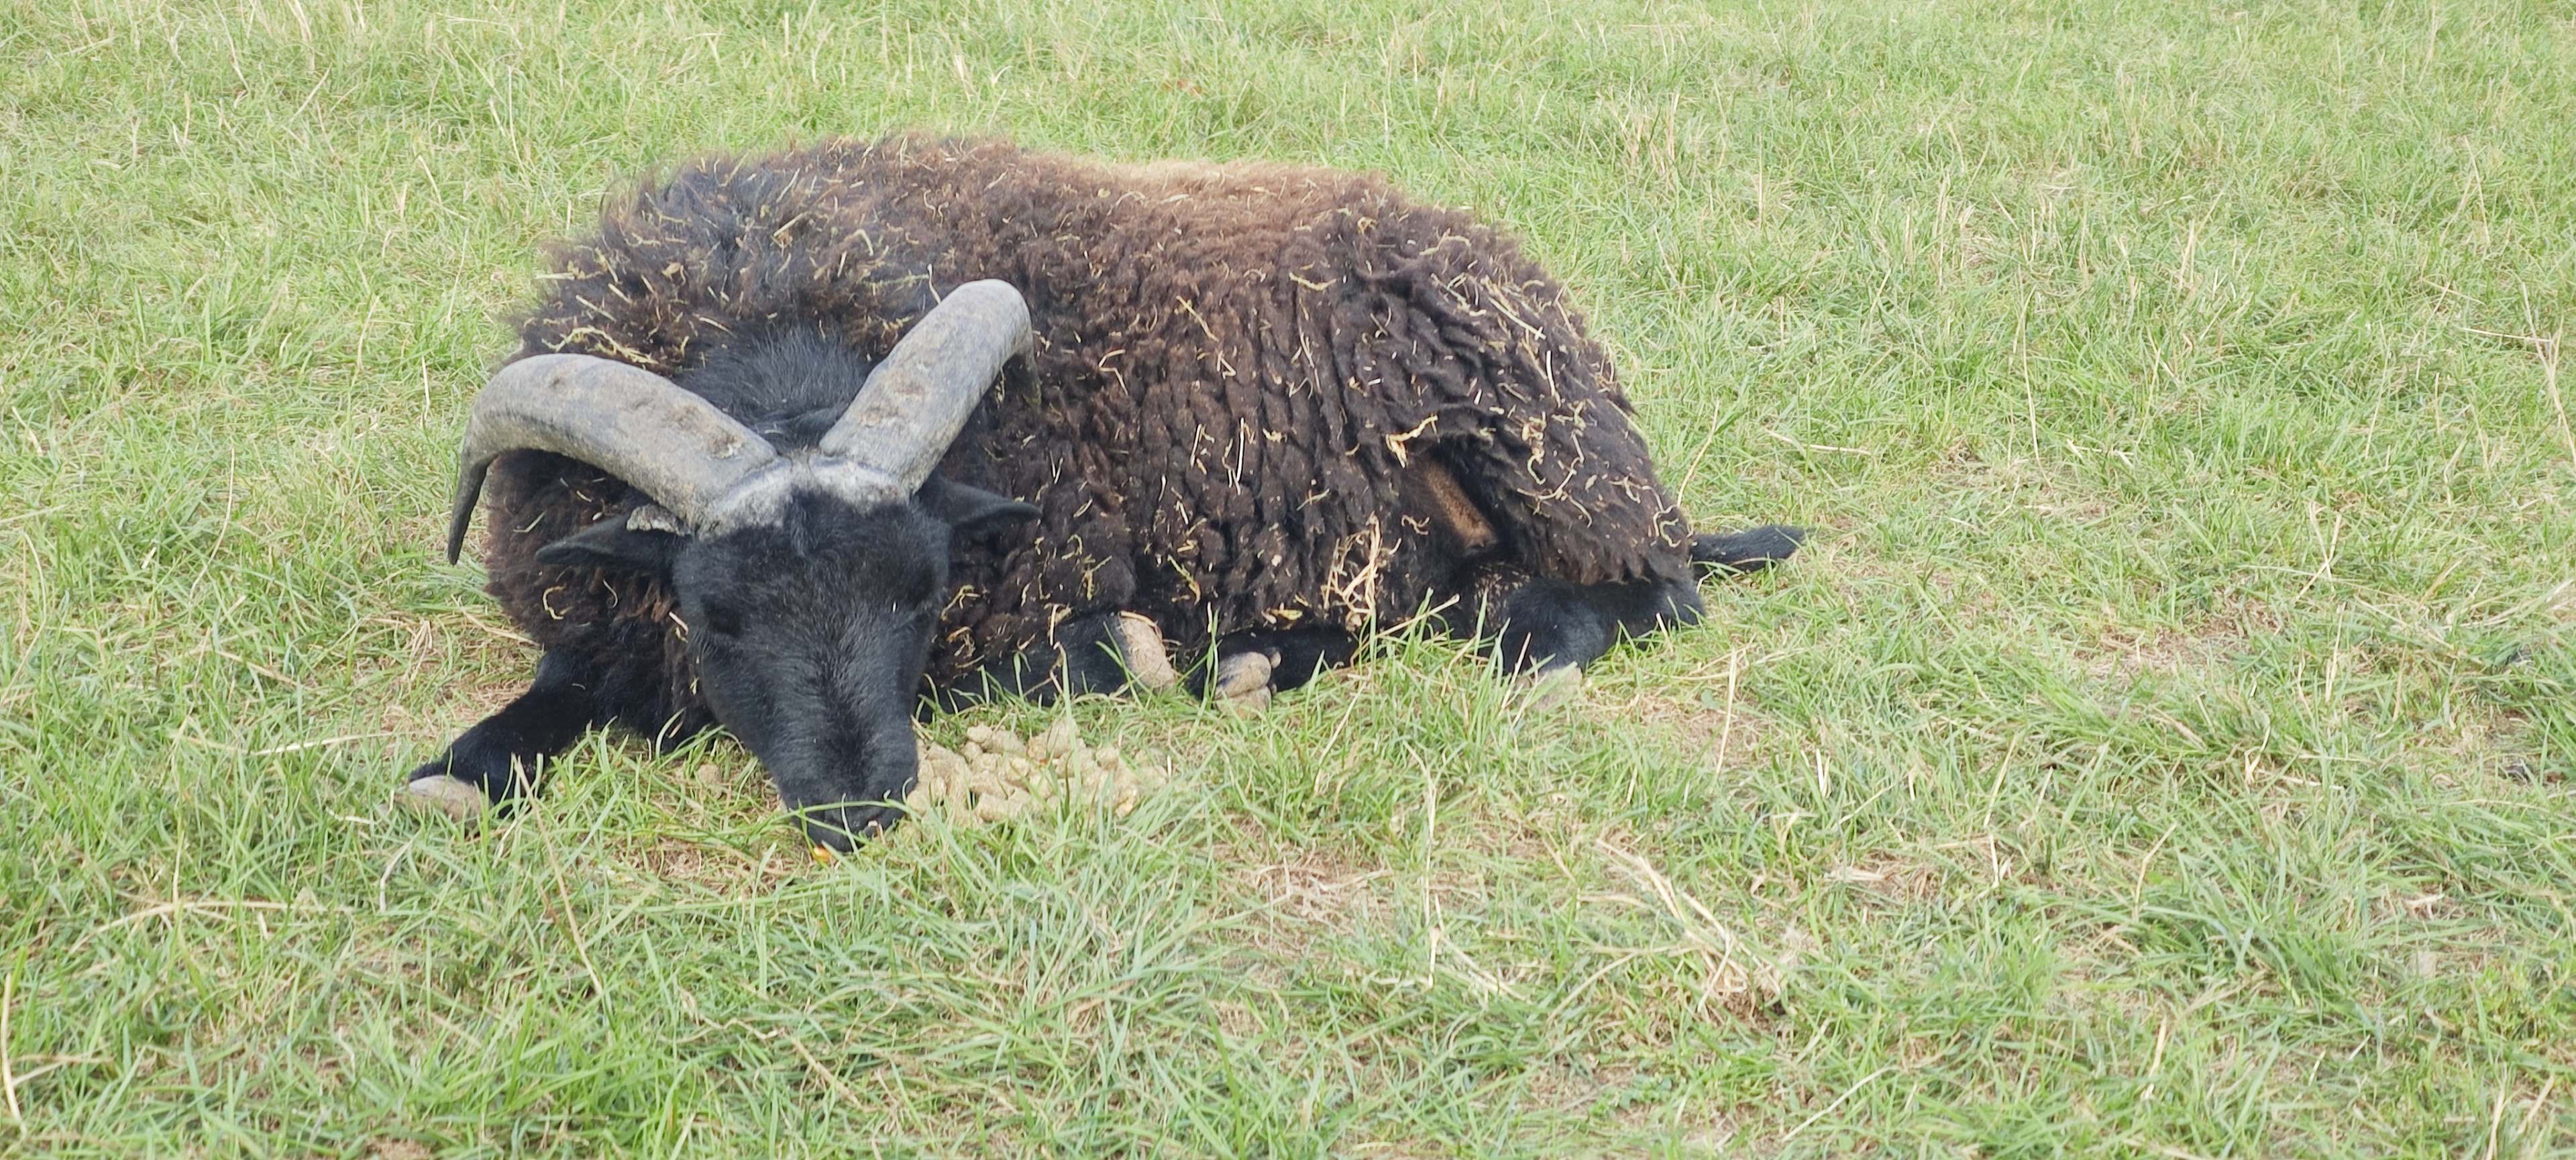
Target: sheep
{"points": [[740, 471]]}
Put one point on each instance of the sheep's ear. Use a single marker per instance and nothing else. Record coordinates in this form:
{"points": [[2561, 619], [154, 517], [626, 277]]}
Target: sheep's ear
{"points": [[617, 545], [971, 511]]}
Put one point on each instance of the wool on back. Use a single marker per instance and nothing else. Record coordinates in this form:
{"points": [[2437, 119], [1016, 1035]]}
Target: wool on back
{"points": [[1235, 367]]}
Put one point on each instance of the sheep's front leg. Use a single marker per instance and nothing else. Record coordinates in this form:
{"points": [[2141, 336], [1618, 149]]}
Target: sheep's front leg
{"points": [[1250, 666], [499, 759], [1107, 653]]}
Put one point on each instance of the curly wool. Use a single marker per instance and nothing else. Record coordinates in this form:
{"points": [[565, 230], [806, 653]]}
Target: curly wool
{"points": [[1236, 367]]}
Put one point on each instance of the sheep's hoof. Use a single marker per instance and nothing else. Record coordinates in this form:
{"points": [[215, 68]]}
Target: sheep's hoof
{"points": [[1552, 688], [1243, 681], [443, 796], [1140, 644]]}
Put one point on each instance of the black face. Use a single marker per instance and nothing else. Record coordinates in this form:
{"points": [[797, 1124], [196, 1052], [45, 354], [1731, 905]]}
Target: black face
{"points": [[810, 638], [811, 635]]}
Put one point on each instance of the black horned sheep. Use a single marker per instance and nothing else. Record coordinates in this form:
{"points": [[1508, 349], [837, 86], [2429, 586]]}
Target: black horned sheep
{"points": [[741, 469]]}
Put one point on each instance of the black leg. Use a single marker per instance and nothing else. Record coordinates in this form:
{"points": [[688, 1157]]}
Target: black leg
{"points": [[1750, 550], [1091, 658], [1304, 653], [1549, 623], [503, 754], [1296, 655], [1086, 656]]}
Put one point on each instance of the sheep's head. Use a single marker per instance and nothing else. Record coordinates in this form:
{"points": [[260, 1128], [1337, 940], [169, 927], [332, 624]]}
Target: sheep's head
{"points": [[810, 582]]}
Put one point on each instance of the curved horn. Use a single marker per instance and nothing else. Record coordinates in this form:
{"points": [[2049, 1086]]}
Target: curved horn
{"points": [[634, 424], [917, 400]]}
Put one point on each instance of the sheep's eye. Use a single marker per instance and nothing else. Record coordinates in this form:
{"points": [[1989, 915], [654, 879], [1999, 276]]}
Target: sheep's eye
{"points": [[724, 620]]}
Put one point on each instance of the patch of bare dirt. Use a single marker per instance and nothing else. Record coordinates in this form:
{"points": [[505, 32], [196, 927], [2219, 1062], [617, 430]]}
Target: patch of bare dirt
{"points": [[1889, 877], [1316, 888], [1704, 712], [718, 870], [2123, 651]]}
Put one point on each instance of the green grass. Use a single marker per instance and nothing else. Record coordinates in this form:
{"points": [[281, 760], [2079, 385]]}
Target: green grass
{"points": [[2162, 749]]}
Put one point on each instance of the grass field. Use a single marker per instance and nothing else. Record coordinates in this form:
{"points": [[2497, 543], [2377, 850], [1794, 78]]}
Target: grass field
{"points": [[2162, 749]]}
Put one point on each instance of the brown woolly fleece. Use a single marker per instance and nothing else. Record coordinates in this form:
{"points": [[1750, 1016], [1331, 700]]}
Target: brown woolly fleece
{"points": [[1248, 381]]}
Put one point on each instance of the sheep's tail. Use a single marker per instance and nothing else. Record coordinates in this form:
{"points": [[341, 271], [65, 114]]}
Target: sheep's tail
{"points": [[1750, 550]]}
